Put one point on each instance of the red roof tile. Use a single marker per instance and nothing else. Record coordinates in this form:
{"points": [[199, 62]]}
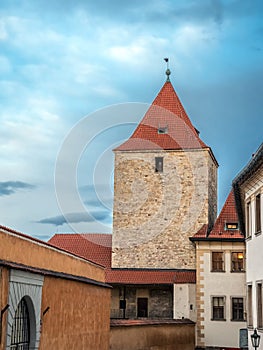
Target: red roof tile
{"points": [[165, 111], [97, 248], [228, 214], [144, 276], [93, 247]]}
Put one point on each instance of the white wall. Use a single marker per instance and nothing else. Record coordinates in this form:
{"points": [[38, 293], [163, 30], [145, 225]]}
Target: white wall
{"points": [[254, 244], [184, 301]]}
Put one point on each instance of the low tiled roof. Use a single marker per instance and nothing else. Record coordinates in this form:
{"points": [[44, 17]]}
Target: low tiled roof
{"points": [[219, 231], [166, 111], [147, 322], [93, 247], [149, 276], [97, 248]]}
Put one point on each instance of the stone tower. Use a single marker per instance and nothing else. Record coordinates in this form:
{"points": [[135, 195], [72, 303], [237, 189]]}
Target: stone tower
{"points": [[165, 189]]}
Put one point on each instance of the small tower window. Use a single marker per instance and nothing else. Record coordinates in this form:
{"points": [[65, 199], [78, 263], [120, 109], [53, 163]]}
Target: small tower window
{"points": [[158, 164], [163, 130]]}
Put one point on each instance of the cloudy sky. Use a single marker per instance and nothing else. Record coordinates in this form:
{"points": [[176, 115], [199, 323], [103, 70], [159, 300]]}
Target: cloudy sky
{"points": [[76, 76]]}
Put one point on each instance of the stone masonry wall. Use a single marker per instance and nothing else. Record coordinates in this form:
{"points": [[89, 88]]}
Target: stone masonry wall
{"points": [[156, 213]]}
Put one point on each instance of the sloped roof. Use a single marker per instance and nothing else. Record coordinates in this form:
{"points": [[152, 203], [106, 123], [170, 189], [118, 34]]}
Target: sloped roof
{"points": [[97, 248], [167, 112], [93, 247], [219, 231], [149, 276]]}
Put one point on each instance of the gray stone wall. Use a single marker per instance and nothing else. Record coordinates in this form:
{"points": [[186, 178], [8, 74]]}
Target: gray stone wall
{"points": [[160, 301], [156, 213]]}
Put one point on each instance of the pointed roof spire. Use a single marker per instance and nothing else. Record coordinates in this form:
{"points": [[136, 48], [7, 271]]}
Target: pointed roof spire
{"points": [[165, 125], [168, 72]]}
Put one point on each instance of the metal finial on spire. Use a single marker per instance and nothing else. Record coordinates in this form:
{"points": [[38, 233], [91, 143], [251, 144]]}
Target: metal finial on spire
{"points": [[168, 72]]}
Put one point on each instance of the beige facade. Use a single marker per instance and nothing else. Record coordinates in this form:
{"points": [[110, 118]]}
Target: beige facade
{"points": [[227, 285], [156, 213]]}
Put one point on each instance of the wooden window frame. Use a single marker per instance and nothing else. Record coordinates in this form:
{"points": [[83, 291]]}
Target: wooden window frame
{"points": [[217, 265], [237, 264], [236, 308]]}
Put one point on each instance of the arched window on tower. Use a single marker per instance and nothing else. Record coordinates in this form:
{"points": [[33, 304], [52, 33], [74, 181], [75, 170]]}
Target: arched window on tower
{"points": [[20, 335]]}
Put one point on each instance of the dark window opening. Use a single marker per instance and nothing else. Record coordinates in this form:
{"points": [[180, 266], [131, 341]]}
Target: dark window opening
{"points": [[258, 218], [159, 164], [163, 130], [249, 305], [259, 305], [237, 309], [142, 307], [20, 334]]}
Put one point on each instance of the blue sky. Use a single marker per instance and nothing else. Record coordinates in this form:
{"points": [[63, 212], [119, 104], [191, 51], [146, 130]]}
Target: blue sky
{"points": [[62, 61]]}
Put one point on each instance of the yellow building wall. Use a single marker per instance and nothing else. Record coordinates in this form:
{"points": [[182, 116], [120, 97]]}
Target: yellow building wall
{"points": [[25, 251], [3, 302], [78, 316]]}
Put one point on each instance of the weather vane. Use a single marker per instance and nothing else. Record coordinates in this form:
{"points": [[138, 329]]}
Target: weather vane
{"points": [[168, 72]]}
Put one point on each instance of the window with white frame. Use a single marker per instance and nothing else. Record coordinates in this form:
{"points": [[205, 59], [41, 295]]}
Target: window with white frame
{"points": [[218, 308]]}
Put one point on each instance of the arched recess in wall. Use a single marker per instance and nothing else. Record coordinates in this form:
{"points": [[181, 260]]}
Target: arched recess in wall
{"points": [[25, 288]]}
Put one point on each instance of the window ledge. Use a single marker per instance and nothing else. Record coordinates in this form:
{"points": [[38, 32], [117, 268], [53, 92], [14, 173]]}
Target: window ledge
{"points": [[258, 233], [234, 271], [238, 320], [218, 271], [218, 319]]}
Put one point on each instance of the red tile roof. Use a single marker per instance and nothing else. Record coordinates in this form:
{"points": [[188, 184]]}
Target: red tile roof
{"points": [[228, 214], [93, 247], [165, 111], [97, 248], [149, 276]]}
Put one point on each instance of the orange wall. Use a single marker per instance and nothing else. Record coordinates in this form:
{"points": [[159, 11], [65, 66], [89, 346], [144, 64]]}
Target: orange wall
{"points": [[78, 318], [4, 277], [22, 250], [161, 337]]}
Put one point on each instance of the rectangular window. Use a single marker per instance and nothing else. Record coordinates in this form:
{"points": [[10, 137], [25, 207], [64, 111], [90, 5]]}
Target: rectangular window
{"points": [[158, 164], [259, 305], [142, 307], [231, 226], [249, 306], [217, 261], [237, 309], [218, 308], [258, 214], [237, 262], [248, 219]]}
